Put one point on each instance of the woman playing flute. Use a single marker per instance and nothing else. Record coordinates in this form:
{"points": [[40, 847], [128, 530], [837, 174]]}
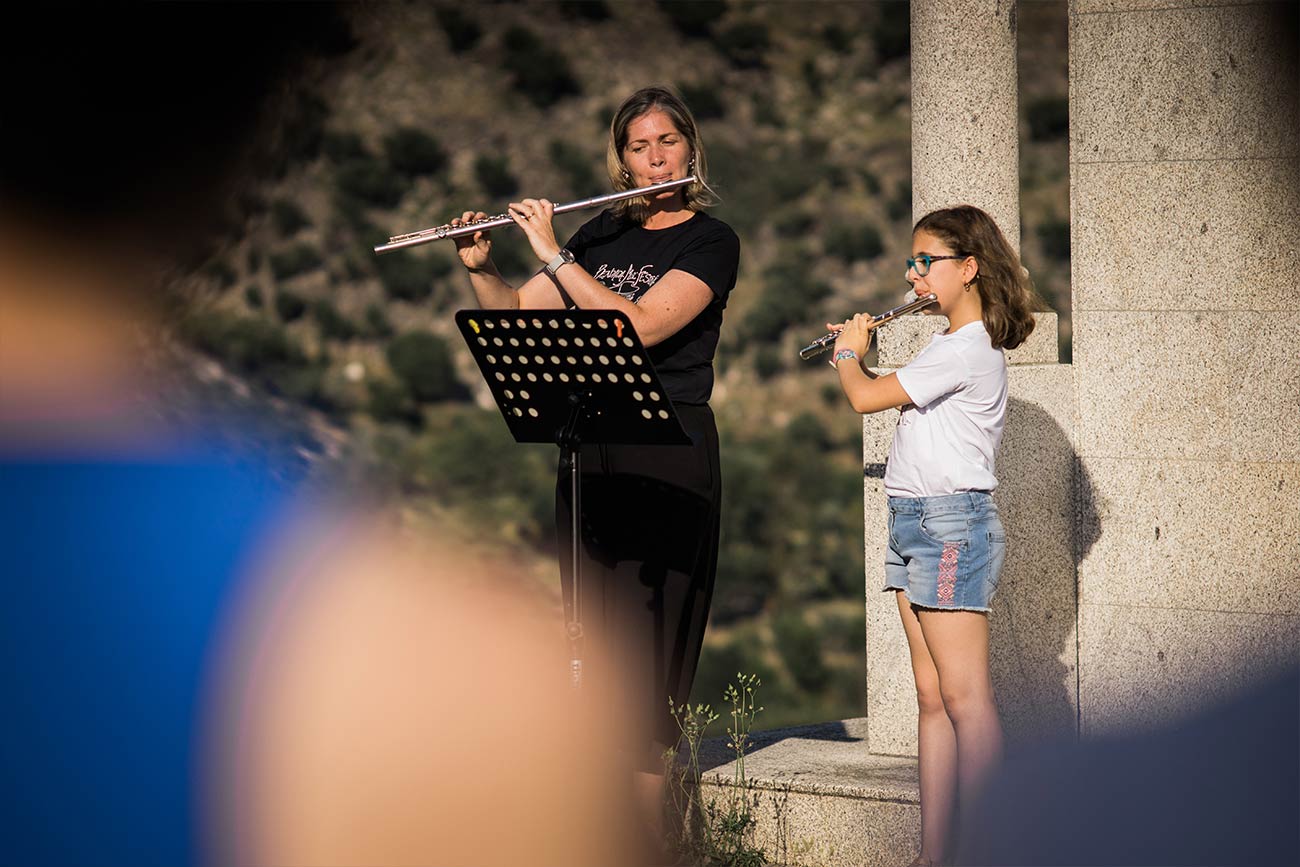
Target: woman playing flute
{"points": [[650, 513]]}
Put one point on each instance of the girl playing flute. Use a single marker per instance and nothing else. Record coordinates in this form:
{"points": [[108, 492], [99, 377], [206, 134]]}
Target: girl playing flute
{"points": [[946, 543]]}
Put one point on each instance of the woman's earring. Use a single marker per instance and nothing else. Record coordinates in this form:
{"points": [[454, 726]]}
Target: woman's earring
{"points": [[627, 176], [691, 168]]}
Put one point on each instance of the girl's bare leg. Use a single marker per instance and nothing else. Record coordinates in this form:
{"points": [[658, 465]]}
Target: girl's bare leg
{"points": [[958, 643], [937, 743]]}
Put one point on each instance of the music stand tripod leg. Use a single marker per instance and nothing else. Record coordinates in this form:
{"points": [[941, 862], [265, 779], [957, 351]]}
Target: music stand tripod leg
{"points": [[571, 443]]}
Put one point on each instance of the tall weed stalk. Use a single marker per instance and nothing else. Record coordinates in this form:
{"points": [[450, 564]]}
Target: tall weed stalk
{"points": [[718, 832]]}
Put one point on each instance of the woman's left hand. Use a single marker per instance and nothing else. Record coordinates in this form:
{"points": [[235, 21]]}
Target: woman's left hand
{"points": [[534, 217], [855, 334]]}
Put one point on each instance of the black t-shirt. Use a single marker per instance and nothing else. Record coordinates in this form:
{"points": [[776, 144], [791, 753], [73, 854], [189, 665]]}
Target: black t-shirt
{"points": [[629, 259]]}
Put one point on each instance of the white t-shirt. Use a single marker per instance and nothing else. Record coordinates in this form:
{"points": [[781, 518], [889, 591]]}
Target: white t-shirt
{"points": [[947, 438]]}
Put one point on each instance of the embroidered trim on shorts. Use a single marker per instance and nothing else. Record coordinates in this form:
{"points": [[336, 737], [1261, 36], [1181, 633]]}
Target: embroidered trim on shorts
{"points": [[947, 573]]}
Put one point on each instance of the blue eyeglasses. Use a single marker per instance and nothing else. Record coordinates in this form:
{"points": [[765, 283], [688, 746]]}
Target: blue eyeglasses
{"points": [[921, 264]]}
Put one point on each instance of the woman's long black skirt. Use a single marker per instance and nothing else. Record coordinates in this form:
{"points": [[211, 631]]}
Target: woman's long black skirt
{"points": [[650, 524]]}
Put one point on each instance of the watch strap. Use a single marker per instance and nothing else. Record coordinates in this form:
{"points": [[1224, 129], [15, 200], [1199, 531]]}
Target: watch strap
{"points": [[562, 258]]}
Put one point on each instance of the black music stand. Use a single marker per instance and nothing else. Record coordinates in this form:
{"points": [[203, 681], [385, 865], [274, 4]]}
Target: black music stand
{"points": [[569, 377]]}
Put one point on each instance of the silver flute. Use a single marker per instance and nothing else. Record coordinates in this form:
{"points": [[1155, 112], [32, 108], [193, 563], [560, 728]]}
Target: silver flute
{"points": [[827, 341], [438, 233]]}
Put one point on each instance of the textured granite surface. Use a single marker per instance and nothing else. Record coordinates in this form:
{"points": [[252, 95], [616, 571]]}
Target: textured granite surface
{"points": [[1140, 667], [898, 341], [1208, 82], [1186, 235], [965, 146], [1102, 6], [1184, 194], [1193, 534], [1188, 385]]}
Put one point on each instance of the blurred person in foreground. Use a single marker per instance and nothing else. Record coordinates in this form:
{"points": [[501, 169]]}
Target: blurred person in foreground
{"points": [[378, 710], [200, 663], [203, 665], [1219, 787]]}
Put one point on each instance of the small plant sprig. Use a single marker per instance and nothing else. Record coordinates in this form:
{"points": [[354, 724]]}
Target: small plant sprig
{"points": [[735, 826], [688, 821], [692, 722], [714, 833], [743, 711]]}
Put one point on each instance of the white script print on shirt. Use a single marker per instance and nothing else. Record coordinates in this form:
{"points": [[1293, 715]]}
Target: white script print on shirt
{"points": [[630, 282]]}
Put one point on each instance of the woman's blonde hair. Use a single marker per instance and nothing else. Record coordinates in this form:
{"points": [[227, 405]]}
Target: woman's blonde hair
{"points": [[697, 195], [1006, 292]]}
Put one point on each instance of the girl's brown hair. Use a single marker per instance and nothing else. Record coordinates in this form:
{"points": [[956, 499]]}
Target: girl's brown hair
{"points": [[1006, 293], [698, 195]]}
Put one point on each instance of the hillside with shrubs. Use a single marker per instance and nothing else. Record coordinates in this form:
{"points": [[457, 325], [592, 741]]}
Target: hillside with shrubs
{"points": [[430, 109]]}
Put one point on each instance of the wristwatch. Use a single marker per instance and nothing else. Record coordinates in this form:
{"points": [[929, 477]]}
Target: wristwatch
{"points": [[843, 355], [562, 258]]}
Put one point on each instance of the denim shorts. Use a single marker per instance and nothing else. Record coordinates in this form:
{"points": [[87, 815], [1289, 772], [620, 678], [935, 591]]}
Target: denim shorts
{"points": [[945, 552]]}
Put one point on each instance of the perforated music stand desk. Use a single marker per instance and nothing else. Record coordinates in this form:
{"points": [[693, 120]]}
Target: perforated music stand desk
{"points": [[571, 377]]}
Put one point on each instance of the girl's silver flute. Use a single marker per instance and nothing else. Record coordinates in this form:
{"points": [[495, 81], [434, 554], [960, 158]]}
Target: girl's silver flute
{"points": [[827, 341], [438, 233]]}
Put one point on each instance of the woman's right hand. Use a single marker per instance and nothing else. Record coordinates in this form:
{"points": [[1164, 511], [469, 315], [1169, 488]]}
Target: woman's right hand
{"points": [[475, 250]]}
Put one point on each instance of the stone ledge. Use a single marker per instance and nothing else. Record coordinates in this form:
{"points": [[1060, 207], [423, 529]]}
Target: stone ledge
{"points": [[825, 758], [820, 800], [899, 342]]}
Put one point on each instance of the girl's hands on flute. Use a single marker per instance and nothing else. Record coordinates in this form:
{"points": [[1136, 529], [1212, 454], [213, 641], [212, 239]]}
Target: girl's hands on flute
{"points": [[475, 251], [854, 334]]}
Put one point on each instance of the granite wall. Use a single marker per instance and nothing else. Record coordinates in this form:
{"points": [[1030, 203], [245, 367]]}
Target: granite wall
{"points": [[1185, 235]]}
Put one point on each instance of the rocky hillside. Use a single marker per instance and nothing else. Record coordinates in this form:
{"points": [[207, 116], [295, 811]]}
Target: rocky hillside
{"points": [[421, 110]]}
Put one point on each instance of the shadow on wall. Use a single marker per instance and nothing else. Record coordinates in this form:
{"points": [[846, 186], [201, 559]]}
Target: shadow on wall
{"points": [[1034, 652]]}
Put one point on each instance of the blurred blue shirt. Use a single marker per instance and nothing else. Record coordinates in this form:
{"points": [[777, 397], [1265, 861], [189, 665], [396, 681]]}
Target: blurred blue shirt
{"points": [[115, 575]]}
